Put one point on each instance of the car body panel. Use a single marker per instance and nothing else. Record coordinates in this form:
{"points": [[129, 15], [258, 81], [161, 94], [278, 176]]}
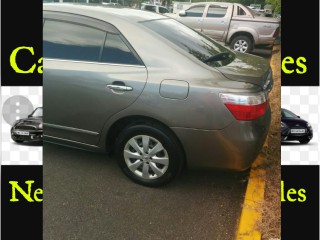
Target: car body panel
{"points": [[90, 82], [247, 68], [224, 144], [216, 27]]}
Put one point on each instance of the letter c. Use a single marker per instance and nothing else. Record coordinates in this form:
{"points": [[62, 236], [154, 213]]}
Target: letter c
{"points": [[13, 62]]}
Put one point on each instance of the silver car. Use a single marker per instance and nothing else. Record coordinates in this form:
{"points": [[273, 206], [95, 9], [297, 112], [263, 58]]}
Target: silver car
{"points": [[231, 23], [151, 90]]}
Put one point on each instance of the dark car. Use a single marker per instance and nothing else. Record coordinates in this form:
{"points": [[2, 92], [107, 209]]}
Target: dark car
{"points": [[28, 129], [293, 128]]}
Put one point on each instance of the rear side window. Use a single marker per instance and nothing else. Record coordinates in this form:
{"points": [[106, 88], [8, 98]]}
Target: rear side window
{"points": [[216, 11], [72, 41], [69, 41], [116, 51], [240, 11], [196, 11]]}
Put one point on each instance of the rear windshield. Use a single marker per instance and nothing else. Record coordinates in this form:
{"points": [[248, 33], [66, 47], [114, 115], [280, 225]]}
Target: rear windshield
{"points": [[196, 44]]}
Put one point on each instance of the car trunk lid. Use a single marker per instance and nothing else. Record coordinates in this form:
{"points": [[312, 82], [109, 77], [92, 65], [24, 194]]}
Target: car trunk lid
{"points": [[250, 69]]}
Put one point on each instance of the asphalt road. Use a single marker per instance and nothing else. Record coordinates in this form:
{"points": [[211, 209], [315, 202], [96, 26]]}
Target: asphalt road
{"points": [[86, 196]]}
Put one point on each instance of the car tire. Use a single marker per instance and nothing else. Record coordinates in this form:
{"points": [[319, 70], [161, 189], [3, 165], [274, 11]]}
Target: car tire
{"points": [[305, 141], [242, 44], [149, 154]]}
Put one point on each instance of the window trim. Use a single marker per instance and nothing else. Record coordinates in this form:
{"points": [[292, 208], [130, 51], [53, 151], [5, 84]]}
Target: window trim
{"points": [[97, 63]]}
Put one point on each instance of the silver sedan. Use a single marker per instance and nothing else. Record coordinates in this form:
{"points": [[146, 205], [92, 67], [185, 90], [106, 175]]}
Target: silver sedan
{"points": [[151, 90]]}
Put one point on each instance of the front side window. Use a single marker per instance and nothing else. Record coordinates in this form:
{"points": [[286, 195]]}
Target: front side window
{"points": [[71, 41], [62, 40], [195, 11], [216, 11]]}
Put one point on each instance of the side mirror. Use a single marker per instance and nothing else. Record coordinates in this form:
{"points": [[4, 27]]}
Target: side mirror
{"points": [[182, 13], [298, 116], [29, 116]]}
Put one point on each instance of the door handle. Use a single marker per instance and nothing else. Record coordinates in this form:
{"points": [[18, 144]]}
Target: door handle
{"points": [[119, 87]]}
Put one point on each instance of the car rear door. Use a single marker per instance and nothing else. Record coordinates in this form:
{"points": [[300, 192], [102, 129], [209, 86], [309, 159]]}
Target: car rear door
{"points": [[90, 73], [216, 20], [194, 17]]}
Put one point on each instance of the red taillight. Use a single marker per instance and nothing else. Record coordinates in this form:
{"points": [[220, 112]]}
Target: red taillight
{"points": [[245, 107]]}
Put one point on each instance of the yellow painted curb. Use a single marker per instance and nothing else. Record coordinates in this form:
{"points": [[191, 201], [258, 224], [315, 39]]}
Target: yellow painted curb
{"points": [[252, 206]]}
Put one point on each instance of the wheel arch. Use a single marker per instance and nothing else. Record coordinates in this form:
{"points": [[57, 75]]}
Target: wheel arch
{"points": [[125, 122], [242, 33]]}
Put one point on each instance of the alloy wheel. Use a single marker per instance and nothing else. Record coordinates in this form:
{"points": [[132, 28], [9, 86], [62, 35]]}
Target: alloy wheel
{"points": [[241, 46], [146, 157]]}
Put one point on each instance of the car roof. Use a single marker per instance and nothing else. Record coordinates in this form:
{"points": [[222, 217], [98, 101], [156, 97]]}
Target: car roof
{"points": [[103, 12], [195, 3]]}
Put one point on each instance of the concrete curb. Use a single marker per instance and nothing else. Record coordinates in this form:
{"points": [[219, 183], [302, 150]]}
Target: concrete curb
{"points": [[252, 206]]}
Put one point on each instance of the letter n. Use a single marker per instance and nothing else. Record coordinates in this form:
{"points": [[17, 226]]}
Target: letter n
{"points": [[15, 187]]}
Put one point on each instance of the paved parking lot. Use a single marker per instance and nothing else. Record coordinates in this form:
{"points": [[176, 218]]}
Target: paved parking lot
{"points": [[87, 197], [264, 52]]}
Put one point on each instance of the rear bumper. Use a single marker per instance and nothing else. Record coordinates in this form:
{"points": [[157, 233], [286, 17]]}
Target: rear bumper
{"points": [[234, 147]]}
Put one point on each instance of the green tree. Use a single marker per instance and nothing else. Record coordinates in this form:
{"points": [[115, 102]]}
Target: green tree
{"points": [[244, 2], [276, 5]]}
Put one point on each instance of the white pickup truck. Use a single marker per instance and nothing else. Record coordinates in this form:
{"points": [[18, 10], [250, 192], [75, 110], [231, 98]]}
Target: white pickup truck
{"points": [[231, 23]]}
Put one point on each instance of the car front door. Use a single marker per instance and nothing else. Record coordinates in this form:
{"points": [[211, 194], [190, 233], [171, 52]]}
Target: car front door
{"points": [[216, 21], [90, 73]]}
